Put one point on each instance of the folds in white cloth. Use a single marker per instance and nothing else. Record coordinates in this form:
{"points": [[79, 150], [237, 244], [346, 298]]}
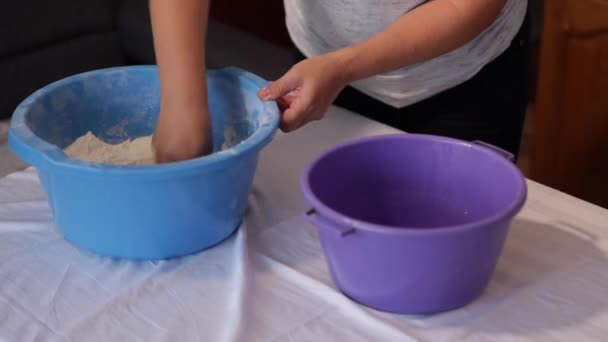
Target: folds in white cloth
{"points": [[232, 292], [269, 282]]}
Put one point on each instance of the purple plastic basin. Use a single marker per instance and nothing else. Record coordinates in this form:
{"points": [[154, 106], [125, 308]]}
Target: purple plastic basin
{"points": [[412, 224]]}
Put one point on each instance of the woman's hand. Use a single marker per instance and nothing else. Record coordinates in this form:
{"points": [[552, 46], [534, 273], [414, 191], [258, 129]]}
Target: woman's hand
{"points": [[306, 91], [182, 133]]}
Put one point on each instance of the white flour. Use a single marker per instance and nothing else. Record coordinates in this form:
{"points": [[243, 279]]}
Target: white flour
{"points": [[130, 152], [138, 151]]}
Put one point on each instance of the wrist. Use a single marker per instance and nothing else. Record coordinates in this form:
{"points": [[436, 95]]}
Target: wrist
{"points": [[183, 104], [183, 87], [184, 100], [190, 111], [343, 59], [347, 58]]}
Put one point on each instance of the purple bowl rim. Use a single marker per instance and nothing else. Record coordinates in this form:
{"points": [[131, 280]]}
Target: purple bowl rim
{"points": [[325, 211]]}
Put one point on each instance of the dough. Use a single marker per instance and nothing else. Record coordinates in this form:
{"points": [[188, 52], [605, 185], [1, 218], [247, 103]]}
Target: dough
{"points": [[130, 152]]}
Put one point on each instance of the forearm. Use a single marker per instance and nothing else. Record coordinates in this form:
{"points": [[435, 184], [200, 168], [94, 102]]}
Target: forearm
{"points": [[179, 28], [431, 30]]}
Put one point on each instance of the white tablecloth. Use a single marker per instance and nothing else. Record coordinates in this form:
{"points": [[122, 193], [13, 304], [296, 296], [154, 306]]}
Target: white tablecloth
{"points": [[269, 281]]}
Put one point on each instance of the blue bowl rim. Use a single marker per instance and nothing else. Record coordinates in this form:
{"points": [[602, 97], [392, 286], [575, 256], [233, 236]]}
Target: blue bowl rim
{"points": [[23, 141]]}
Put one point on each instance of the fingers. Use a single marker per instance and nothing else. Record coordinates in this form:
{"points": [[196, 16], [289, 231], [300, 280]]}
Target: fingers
{"points": [[169, 152], [178, 138], [290, 120], [285, 102], [281, 87], [170, 158], [300, 111], [300, 98]]}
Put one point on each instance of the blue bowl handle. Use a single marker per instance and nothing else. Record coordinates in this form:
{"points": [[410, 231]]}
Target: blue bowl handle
{"points": [[26, 152], [506, 154]]}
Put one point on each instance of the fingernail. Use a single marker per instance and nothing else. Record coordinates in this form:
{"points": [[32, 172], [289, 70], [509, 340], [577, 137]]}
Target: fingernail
{"points": [[265, 94]]}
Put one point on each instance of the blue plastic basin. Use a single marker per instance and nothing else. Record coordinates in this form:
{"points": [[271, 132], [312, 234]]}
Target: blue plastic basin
{"points": [[142, 212]]}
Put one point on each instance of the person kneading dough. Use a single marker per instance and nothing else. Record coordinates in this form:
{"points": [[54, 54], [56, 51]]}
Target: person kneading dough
{"points": [[456, 68]]}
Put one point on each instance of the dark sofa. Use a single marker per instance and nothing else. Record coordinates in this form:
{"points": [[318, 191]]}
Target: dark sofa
{"points": [[43, 41]]}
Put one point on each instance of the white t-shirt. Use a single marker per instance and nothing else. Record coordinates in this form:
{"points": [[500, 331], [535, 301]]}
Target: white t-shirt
{"points": [[320, 26]]}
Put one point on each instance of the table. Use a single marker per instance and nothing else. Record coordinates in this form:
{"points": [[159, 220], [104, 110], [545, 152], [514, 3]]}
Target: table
{"points": [[269, 281]]}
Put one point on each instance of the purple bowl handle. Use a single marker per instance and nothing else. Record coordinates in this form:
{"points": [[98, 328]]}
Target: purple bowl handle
{"points": [[508, 155], [311, 217]]}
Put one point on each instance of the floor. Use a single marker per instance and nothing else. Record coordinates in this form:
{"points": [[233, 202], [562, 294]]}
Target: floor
{"points": [[230, 47]]}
